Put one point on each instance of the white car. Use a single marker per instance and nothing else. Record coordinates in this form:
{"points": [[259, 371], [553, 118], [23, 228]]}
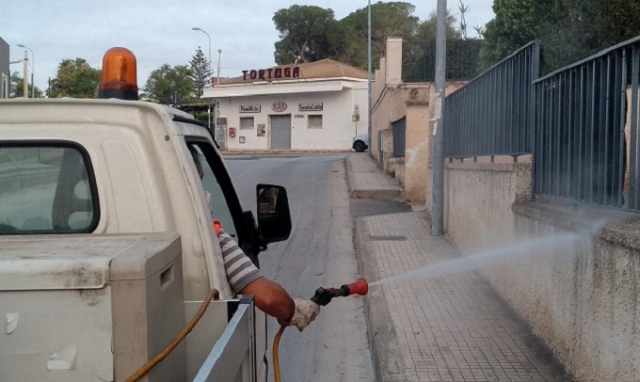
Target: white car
{"points": [[360, 142]]}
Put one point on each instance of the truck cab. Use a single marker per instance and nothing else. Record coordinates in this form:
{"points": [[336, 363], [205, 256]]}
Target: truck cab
{"points": [[108, 247]]}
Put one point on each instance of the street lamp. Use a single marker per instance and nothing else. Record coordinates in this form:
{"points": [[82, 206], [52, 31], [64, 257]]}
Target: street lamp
{"points": [[33, 58], [209, 37]]}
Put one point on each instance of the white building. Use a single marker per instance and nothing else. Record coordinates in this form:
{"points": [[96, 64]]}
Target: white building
{"points": [[315, 106]]}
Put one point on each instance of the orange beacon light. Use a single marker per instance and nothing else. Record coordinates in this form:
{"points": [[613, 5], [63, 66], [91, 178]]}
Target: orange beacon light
{"points": [[119, 75]]}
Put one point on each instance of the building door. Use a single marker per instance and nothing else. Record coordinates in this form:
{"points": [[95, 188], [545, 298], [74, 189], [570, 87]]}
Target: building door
{"points": [[281, 132]]}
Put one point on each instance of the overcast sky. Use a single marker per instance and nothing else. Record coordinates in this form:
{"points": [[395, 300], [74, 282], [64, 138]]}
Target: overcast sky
{"points": [[159, 31]]}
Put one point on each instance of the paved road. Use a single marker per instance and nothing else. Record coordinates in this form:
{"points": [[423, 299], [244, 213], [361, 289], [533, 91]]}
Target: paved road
{"points": [[319, 253]]}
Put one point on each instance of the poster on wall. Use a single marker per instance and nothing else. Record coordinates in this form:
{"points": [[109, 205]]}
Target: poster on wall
{"points": [[262, 128]]}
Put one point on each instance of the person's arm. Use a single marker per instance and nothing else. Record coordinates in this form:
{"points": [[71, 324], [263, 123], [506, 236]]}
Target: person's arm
{"points": [[245, 278], [271, 298]]}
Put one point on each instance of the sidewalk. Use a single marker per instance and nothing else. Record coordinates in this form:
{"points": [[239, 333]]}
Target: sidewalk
{"points": [[367, 182], [449, 328]]}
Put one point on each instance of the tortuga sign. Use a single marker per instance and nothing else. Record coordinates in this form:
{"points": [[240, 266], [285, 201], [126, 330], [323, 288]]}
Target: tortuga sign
{"points": [[267, 74]]}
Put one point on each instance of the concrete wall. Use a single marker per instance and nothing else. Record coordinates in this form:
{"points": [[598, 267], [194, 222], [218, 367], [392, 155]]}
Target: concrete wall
{"points": [[392, 100], [418, 144], [338, 128], [584, 300]]}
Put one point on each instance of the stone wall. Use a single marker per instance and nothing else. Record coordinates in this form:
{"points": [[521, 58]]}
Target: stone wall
{"points": [[580, 295]]}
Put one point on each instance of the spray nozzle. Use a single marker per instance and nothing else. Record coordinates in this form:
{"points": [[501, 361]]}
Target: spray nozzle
{"points": [[360, 286], [323, 296]]}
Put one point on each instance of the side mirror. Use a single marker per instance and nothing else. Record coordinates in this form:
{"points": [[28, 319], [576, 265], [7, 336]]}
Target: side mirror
{"points": [[274, 217]]}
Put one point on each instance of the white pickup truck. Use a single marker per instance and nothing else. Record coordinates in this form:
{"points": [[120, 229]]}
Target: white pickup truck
{"points": [[107, 247]]}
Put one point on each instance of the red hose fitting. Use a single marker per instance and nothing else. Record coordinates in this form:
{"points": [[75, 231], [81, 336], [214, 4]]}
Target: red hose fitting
{"points": [[360, 286], [323, 296]]}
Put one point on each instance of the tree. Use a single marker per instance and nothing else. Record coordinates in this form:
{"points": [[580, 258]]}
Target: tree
{"points": [[75, 78], [302, 32], [308, 33], [568, 30], [16, 87], [425, 37], [201, 71], [171, 85], [392, 19]]}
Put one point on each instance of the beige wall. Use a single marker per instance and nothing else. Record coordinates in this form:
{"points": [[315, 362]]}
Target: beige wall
{"points": [[583, 302], [418, 144]]}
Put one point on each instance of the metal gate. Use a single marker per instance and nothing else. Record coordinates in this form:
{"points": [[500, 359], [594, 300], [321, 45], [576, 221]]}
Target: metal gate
{"points": [[281, 132], [380, 152], [399, 136]]}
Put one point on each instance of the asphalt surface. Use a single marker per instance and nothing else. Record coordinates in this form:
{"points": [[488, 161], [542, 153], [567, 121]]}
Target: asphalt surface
{"points": [[320, 252]]}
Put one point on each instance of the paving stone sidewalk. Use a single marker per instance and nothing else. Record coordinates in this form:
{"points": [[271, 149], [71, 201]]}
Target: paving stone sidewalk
{"points": [[367, 182], [451, 328]]}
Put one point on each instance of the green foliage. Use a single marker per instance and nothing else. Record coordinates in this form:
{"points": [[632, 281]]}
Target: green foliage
{"points": [[420, 48], [568, 30], [310, 33], [303, 32], [204, 117], [75, 78], [171, 85], [17, 86], [392, 19], [200, 71]]}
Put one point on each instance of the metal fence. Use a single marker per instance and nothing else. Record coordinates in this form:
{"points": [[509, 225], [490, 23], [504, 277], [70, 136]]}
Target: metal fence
{"points": [[463, 62], [399, 130], [580, 115], [491, 115]]}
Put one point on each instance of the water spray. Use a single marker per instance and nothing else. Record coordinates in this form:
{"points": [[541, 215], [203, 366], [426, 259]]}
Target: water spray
{"points": [[322, 297]]}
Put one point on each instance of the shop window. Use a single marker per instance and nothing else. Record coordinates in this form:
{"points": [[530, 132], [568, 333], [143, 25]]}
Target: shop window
{"points": [[246, 123], [315, 122]]}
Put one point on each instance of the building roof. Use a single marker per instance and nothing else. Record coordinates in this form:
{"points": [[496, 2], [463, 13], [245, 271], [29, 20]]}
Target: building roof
{"points": [[318, 70]]}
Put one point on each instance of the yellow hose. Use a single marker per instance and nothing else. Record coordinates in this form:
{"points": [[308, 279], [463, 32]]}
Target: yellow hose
{"points": [[276, 358], [147, 367]]}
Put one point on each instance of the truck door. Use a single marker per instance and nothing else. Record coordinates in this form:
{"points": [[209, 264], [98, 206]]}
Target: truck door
{"points": [[224, 206]]}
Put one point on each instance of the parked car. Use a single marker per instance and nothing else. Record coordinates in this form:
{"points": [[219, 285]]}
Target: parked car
{"points": [[361, 142]]}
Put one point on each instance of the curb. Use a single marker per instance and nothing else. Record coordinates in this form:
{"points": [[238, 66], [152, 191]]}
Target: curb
{"points": [[349, 170], [383, 340], [281, 152], [383, 195], [385, 347]]}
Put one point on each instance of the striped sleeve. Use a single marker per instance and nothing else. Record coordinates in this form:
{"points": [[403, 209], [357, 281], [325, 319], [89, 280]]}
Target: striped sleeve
{"points": [[238, 267]]}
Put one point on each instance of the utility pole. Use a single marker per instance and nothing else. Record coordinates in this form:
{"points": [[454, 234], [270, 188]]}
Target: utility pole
{"points": [[33, 70], [437, 212], [218, 68], [369, 111], [25, 79], [215, 110]]}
